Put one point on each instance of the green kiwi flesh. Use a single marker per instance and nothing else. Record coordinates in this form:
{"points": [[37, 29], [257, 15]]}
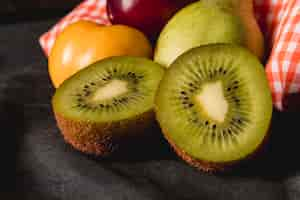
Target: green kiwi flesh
{"points": [[107, 102], [214, 105]]}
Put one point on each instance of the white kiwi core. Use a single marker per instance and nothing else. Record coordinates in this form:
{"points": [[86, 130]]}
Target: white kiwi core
{"points": [[110, 90], [212, 101]]}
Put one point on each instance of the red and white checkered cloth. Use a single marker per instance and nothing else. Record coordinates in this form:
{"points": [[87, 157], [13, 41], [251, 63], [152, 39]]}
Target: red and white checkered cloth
{"points": [[90, 10], [278, 19]]}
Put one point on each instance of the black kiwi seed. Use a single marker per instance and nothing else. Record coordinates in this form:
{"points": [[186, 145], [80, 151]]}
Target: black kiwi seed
{"points": [[228, 89], [213, 135], [126, 100], [235, 87], [214, 126], [206, 123], [86, 86], [115, 71], [220, 69], [191, 105], [183, 92], [92, 83], [193, 85], [224, 72]]}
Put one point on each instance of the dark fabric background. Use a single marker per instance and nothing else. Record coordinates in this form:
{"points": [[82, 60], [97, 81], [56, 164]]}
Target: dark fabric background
{"points": [[20, 10], [46, 168], [21, 6]]}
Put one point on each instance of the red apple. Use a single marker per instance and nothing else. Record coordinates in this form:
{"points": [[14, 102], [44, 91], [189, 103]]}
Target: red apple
{"points": [[149, 16]]}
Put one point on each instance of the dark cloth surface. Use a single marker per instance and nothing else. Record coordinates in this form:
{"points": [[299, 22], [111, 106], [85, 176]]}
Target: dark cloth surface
{"points": [[47, 168], [20, 6]]}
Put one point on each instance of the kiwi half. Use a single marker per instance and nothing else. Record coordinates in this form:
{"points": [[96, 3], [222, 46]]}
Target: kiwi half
{"points": [[214, 105], [107, 102]]}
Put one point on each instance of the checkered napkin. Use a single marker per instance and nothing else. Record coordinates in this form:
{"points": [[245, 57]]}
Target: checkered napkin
{"points": [[90, 10], [278, 19]]}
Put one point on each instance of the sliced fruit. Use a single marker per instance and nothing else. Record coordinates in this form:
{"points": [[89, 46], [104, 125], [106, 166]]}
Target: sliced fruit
{"points": [[214, 105], [107, 102]]}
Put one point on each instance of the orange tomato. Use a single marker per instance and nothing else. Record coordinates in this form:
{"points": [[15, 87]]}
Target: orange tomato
{"points": [[84, 43]]}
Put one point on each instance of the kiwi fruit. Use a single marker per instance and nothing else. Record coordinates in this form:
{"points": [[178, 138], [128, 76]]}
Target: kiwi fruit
{"points": [[214, 106], [106, 103]]}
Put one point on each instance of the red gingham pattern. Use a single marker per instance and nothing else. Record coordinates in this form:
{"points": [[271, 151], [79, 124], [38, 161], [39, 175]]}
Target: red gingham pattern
{"points": [[91, 10], [279, 20]]}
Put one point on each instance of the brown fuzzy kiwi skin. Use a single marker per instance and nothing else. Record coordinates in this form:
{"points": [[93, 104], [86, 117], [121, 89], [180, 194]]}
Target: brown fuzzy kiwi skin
{"points": [[211, 167], [102, 139]]}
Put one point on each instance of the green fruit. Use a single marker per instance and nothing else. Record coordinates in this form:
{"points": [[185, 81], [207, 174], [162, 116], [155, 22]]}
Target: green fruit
{"points": [[107, 102], [208, 22], [214, 105]]}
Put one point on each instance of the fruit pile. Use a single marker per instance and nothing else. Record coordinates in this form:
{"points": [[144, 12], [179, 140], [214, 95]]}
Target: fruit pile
{"points": [[205, 86]]}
